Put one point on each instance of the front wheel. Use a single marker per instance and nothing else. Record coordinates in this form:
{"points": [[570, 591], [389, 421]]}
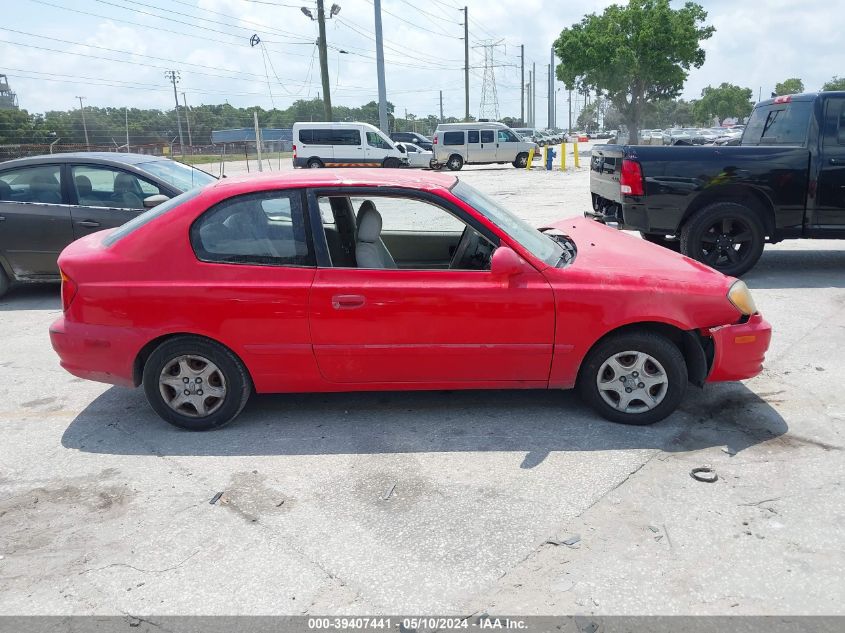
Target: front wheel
{"points": [[4, 282], [726, 236], [521, 160], [392, 163], [195, 383], [637, 378]]}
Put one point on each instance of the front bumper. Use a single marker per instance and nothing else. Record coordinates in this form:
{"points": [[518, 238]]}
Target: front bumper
{"points": [[95, 352], [739, 349]]}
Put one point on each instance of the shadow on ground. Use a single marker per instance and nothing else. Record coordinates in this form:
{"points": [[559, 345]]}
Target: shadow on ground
{"points": [[798, 269], [533, 422], [46, 296]]}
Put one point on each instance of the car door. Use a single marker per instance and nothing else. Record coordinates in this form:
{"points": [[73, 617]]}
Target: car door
{"points": [[430, 326], [106, 197], [35, 220], [507, 146], [830, 196], [377, 148]]}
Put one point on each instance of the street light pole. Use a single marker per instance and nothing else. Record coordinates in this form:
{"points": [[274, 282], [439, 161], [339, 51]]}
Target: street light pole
{"points": [[382, 90]]}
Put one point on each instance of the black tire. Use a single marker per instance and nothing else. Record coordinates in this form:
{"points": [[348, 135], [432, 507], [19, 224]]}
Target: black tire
{"points": [[726, 236], [315, 163], [392, 163], [455, 162], [4, 282], [433, 164], [521, 160], [671, 365], [236, 382], [662, 240]]}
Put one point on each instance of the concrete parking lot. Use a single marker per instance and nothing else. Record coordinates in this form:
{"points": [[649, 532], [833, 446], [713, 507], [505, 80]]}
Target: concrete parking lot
{"points": [[439, 502]]}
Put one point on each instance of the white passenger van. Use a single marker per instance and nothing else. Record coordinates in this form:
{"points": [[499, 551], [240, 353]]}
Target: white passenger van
{"points": [[459, 144], [344, 145]]}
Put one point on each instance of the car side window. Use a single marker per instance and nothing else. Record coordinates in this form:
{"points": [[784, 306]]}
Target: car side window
{"points": [[266, 228], [39, 184], [102, 186], [472, 136], [835, 122], [506, 136], [453, 138], [487, 136], [375, 140]]}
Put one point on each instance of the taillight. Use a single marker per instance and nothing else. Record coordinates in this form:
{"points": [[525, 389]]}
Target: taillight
{"points": [[294, 151], [68, 291], [434, 142], [783, 99], [631, 178]]}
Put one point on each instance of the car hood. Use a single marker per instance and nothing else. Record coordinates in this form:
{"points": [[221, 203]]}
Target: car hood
{"points": [[615, 255]]}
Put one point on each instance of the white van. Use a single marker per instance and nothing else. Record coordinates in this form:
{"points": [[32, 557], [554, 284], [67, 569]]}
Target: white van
{"points": [[459, 144], [318, 145]]}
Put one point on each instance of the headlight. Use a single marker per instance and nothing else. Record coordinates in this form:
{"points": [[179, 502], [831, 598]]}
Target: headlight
{"points": [[740, 296]]}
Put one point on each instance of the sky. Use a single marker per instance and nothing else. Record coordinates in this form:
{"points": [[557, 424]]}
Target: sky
{"points": [[115, 52]]}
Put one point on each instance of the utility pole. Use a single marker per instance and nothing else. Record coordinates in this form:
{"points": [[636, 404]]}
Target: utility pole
{"points": [[84, 125], [173, 75], [441, 106], [534, 93], [549, 104], [552, 89], [382, 90], [530, 120], [324, 59], [187, 120], [522, 83], [257, 139], [126, 121], [466, 63], [569, 101]]}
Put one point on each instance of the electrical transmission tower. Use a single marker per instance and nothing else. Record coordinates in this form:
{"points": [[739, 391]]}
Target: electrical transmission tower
{"points": [[489, 106]]}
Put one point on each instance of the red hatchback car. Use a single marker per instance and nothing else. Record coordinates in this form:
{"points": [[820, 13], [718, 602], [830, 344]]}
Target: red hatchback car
{"points": [[383, 280]]}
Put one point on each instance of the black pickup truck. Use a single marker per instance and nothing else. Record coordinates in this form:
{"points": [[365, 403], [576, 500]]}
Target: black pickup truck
{"points": [[720, 204]]}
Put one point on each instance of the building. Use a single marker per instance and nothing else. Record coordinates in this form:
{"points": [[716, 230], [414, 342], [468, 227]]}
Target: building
{"points": [[8, 99]]}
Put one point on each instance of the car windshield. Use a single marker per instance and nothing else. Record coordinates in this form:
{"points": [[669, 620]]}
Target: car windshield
{"points": [[183, 177], [541, 246]]}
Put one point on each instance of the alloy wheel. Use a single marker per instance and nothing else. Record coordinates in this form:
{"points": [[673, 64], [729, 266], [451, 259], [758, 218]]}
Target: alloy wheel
{"points": [[632, 382], [192, 385]]}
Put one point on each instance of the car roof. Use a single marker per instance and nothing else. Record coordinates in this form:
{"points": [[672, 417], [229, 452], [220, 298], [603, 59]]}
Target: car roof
{"points": [[375, 177], [106, 158]]}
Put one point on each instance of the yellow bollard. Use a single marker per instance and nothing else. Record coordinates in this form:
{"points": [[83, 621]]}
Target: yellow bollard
{"points": [[563, 156], [530, 158], [575, 147]]}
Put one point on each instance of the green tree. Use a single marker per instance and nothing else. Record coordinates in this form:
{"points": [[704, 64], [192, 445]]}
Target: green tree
{"points": [[791, 86], [837, 83], [723, 102], [634, 54]]}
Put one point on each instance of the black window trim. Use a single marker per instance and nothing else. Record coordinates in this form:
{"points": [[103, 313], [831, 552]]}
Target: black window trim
{"points": [[321, 246], [62, 184], [306, 217], [70, 185]]}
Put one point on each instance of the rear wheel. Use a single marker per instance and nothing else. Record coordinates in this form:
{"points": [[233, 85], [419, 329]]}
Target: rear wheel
{"points": [[635, 378], [195, 383], [673, 244], [455, 162], [315, 163], [521, 160], [4, 282], [726, 236]]}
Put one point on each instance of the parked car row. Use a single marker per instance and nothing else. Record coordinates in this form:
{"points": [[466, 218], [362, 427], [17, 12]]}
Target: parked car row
{"points": [[687, 136]]}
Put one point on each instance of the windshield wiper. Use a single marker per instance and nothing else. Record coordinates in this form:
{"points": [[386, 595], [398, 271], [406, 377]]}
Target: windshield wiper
{"points": [[567, 246]]}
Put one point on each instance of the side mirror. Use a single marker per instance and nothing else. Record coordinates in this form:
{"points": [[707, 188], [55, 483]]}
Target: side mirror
{"points": [[153, 201], [506, 263], [401, 148]]}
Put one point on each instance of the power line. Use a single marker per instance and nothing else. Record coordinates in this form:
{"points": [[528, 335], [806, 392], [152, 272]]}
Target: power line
{"points": [[417, 26]]}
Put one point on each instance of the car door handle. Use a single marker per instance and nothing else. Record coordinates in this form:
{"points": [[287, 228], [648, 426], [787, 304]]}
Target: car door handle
{"points": [[834, 161], [88, 223], [347, 302]]}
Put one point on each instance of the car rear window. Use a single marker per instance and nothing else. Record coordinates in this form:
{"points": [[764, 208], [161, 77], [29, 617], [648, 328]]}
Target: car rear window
{"points": [[453, 138], [140, 220], [779, 124]]}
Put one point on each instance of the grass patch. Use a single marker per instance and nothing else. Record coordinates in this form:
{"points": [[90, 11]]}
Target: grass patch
{"points": [[203, 159]]}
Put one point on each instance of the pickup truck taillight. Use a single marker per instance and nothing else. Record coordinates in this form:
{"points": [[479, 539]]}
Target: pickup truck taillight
{"points": [[68, 291], [631, 178]]}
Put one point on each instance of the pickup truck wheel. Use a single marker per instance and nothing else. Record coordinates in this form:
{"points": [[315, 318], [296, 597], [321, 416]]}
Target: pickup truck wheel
{"points": [[662, 240], [726, 236], [634, 378], [455, 162], [521, 160]]}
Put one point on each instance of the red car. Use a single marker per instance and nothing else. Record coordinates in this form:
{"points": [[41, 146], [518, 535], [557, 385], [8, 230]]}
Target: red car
{"points": [[322, 280]]}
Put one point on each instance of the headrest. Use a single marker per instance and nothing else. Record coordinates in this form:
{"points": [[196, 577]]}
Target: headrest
{"points": [[83, 185], [369, 222], [5, 191], [124, 182]]}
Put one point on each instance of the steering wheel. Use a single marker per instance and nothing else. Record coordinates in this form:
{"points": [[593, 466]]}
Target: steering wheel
{"points": [[468, 244]]}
